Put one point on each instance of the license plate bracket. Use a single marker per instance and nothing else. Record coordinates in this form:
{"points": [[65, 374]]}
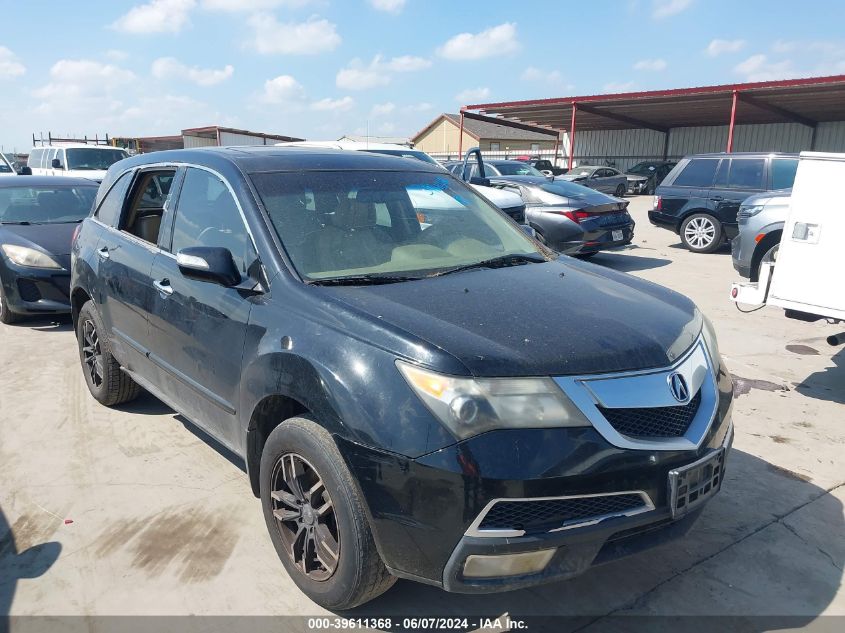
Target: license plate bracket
{"points": [[692, 485], [617, 236]]}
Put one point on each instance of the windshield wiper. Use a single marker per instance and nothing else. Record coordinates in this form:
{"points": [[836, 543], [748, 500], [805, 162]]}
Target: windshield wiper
{"points": [[497, 262], [21, 223], [362, 280]]}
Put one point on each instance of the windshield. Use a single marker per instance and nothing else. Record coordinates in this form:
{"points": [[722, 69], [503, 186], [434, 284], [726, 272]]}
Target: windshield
{"points": [[580, 171], [642, 168], [46, 205], [517, 169], [93, 158], [347, 224], [405, 153], [5, 165]]}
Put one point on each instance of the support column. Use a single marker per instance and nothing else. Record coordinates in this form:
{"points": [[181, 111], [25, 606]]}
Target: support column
{"points": [[461, 138], [666, 143], [572, 134], [731, 126]]}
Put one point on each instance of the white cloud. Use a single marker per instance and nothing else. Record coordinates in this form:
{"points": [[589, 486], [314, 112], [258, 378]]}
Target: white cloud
{"points": [[233, 6], [472, 94], [157, 16], [117, 55], [382, 109], [358, 76], [84, 89], [10, 65], [171, 68], [535, 74], [719, 47], [389, 6], [759, 68], [498, 40], [311, 37], [667, 8], [618, 86], [655, 65], [282, 90], [333, 105]]}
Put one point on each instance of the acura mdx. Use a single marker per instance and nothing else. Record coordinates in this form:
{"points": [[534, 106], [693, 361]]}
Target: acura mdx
{"points": [[432, 396]]}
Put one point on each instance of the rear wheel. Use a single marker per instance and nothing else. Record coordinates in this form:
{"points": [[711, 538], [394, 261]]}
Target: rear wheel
{"points": [[701, 233], [106, 381], [6, 314], [620, 191], [316, 517]]}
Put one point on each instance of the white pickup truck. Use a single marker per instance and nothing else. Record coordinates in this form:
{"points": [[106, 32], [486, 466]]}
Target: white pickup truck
{"points": [[806, 278]]}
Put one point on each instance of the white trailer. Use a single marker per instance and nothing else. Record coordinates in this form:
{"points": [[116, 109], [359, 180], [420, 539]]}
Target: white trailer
{"points": [[807, 279]]}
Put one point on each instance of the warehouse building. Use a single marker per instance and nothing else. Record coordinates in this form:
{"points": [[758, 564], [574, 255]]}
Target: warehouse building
{"points": [[442, 138], [622, 129], [214, 135]]}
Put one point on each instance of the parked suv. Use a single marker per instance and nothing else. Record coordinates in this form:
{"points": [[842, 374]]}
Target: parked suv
{"points": [[403, 407], [700, 197], [761, 219]]}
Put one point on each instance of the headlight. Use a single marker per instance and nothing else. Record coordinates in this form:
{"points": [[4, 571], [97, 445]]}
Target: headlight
{"points": [[469, 406], [711, 343], [29, 257], [750, 211]]}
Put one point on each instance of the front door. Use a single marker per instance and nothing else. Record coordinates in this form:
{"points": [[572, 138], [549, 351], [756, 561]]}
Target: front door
{"points": [[197, 328]]}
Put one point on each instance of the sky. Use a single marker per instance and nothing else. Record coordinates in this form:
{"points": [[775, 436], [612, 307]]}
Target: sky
{"points": [[320, 69]]}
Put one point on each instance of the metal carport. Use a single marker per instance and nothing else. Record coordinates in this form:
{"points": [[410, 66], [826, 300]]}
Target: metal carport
{"points": [[806, 102]]}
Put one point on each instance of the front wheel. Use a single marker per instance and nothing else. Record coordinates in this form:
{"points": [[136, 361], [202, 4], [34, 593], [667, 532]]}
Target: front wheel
{"points": [[701, 233], [6, 314], [106, 381], [316, 517], [620, 191]]}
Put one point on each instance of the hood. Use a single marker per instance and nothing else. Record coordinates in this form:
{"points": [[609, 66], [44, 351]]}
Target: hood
{"points": [[636, 177], [54, 239], [96, 175], [558, 318], [780, 197], [571, 177], [502, 199]]}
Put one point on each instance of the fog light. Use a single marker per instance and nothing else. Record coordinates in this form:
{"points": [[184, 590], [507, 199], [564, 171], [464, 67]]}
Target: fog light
{"points": [[481, 566]]}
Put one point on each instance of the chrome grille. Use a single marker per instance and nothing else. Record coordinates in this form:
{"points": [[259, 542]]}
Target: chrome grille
{"points": [[653, 421]]}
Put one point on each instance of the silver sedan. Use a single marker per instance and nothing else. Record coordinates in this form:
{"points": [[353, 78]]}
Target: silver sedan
{"points": [[605, 179]]}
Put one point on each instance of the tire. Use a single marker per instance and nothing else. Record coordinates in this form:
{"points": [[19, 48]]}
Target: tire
{"points": [[350, 571], [650, 189], [106, 381], [6, 315], [701, 233], [620, 191]]}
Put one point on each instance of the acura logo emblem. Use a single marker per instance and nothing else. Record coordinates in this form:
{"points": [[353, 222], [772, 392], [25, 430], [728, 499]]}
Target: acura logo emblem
{"points": [[678, 387]]}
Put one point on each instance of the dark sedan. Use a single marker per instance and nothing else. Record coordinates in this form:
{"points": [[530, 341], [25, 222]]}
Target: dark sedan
{"points": [[646, 175], [571, 218], [38, 216]]}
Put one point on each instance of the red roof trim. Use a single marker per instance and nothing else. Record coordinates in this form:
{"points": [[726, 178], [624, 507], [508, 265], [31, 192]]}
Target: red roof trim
{"points": [[674, 92]]}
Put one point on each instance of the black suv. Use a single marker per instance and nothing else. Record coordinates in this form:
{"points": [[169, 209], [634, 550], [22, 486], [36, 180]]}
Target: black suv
{"points": [[700, 197], [397, 381]]}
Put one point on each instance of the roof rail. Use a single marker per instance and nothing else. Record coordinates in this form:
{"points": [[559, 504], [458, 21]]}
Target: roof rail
{"points": [[41, 141]]}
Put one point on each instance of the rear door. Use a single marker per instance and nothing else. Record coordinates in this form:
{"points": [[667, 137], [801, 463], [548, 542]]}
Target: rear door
{"points": [[736, 179], [126, 253], [689, 191], [198, 327]]}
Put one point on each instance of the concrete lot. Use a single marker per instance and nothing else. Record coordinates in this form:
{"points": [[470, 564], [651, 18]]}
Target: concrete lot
{"points": [[163, 523]]}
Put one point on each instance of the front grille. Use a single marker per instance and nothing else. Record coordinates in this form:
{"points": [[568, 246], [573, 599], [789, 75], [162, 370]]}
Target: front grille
{"points": [[653, 421], [28, 290], [548, 514]]}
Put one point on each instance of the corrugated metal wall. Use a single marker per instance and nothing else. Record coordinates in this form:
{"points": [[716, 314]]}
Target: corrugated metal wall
{"points": [[198, 141], [623, 148], [230, 138]]}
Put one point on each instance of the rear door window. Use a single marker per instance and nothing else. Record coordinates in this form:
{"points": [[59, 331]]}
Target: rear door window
{"points": [[783, 172], [109, 210], [747, 173], [699, 172]]}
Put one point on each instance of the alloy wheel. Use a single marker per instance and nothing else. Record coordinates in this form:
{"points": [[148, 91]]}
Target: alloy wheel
{"points": [[92, 355], [305, 517], [700, 232]]}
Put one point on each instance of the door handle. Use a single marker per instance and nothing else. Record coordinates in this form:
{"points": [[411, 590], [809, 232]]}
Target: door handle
{"points": [[717, 198], [163, 287], [104, 252]]}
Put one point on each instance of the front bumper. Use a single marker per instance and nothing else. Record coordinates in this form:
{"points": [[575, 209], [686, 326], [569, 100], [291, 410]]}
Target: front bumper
{"points": [[421, 509], [638, 186], [33, 291]]}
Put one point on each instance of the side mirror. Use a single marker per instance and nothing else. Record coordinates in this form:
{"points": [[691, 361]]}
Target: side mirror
{"points": [[56, 163], [478, 180], [26, 170], [528, 230], [547, 172], [209, 263]]}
